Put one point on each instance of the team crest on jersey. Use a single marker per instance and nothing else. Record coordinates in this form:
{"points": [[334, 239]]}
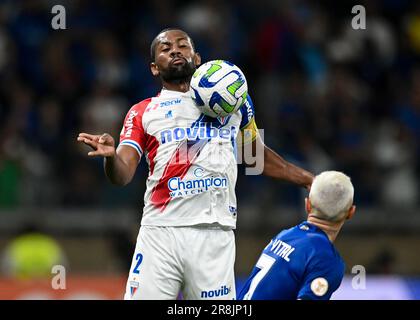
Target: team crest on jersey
{"points": [[134, 285], [223, 120]]}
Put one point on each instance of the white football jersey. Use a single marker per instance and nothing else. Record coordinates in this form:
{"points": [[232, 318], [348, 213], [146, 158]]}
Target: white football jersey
{"points": [[191, 158]]}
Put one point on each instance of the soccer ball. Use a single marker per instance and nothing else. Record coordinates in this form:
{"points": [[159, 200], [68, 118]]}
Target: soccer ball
{"points": [[218, 88]]}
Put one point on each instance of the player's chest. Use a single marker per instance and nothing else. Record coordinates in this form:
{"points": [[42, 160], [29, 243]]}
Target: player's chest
{"points": [[179, 115], [167, 113]]}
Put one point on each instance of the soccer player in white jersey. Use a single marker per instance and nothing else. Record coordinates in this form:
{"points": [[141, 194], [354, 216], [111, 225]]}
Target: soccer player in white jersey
{"points": [[186, 241]]}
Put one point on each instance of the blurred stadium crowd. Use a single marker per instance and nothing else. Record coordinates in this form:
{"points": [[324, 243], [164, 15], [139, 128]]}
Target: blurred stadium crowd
{"points": [[327, 96]]}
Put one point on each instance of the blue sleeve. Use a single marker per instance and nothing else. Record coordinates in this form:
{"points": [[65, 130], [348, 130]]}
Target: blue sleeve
{"points": [[322, 278], [247, 111]]}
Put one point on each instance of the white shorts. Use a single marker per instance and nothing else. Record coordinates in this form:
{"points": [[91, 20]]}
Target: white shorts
{"points": [[195, 261]]}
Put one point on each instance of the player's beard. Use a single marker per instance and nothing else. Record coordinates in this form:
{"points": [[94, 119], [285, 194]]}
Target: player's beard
{"points": [[179, 73]]}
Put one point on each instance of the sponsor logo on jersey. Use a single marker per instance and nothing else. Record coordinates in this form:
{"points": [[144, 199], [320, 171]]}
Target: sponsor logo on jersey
{"points": [[168, 114], [202, 131], [168, 103], [223, 291], [198, 172], [129, 123], [179, 188], [249, 110]]}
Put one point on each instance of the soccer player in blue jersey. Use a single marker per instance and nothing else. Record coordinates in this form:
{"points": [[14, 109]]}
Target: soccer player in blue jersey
{"points": [[301, 262]]}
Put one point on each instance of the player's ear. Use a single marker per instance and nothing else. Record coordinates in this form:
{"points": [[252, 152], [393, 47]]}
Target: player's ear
{"points": [[197, 59], [352, 210], [155, 69], [308, 205]]}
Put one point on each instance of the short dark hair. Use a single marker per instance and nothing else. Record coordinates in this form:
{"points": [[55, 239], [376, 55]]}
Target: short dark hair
{"points": [[154, 42]]}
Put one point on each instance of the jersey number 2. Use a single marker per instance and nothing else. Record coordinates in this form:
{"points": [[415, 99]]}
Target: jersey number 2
{"points": [[139, 258]]}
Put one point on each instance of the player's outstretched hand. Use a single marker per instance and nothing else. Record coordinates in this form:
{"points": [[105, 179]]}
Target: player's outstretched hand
{"points": [[103, 145]]}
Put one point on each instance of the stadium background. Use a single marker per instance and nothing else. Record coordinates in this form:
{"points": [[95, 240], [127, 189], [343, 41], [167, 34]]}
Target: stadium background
{"points": [[327, 96]]}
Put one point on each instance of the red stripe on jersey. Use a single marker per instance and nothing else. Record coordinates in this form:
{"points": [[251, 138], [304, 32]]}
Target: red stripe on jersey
{"points": [[133, 126], [151, 146], [178, 166]]}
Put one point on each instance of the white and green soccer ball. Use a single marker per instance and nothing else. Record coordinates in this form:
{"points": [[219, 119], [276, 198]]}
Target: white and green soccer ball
{"points": [[218, 88]]}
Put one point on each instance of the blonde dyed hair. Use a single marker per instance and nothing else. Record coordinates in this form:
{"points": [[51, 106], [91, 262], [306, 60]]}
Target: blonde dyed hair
{"points": [[331, 195]]}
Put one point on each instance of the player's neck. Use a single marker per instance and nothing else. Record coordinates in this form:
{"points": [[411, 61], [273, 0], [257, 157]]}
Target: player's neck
{"points": [[181, 86], [331, 228]]}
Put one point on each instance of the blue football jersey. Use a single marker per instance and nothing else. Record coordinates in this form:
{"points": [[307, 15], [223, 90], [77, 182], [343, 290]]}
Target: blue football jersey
{"points": [[299, 263]]}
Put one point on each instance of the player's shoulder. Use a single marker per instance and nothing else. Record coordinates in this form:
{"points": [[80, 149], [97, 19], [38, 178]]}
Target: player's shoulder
{"points": [[140, 106], [312, 232], [247, 109], [322, 251], [247, 113], [313, 238]]}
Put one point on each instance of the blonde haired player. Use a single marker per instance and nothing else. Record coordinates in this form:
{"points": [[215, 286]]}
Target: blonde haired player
{"points": [[301, 262], [186, 241]]}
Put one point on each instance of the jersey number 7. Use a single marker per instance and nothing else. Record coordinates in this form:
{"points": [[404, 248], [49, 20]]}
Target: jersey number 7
{"points": [[264, 263]]}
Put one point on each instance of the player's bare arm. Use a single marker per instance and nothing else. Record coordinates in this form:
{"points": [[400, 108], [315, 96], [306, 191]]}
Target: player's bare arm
{"points": [[120, 164], [275, 166]]}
